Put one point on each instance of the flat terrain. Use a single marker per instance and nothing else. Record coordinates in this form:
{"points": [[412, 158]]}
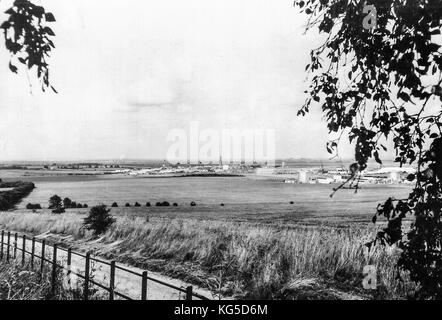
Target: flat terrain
{"points": [[244, 198]]}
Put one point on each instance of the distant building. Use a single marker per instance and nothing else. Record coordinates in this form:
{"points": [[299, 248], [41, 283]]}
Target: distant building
{"points": [[265, 171], [325, 180], [304, 176]]}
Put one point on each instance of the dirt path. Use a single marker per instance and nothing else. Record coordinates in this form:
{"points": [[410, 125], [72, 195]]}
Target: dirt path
{"points": [[125, 282]]}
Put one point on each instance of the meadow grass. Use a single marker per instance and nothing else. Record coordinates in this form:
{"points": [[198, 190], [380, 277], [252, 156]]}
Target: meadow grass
{"points": [[19, 282], [240, 259]]}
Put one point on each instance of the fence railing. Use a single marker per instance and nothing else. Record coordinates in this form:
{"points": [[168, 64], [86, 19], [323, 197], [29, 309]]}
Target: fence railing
{"points": [[9, 251]]}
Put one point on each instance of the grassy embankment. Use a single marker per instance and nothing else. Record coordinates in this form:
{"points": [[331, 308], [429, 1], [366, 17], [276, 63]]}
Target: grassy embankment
{"points": [[241, 259], [21, 283]]}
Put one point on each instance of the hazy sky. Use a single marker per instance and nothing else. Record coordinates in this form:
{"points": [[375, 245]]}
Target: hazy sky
{"points": [[128, 72]]}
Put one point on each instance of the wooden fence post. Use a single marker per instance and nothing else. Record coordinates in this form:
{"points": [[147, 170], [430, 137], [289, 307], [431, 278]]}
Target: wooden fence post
{"points": [[189, 293], [9, 244], [144, 286], [69, 267], [32, 252], [23, 251], [54, 268], [3, 240], [15, 245], [42, 264], [86, 276], [112, 280]]}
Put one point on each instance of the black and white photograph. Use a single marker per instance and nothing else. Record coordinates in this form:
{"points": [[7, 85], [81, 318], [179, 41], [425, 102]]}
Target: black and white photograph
{"points": [[232, 151]]}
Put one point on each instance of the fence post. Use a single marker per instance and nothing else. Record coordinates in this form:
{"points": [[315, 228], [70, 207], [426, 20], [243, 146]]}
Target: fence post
{"points": [[54, 268], [32, 252], [9, 244], [86, 276], [189, 293], [3, 239], [68, 266], [42, 264], [112, 280], [15, 245], [144, 286], [23, 251]]}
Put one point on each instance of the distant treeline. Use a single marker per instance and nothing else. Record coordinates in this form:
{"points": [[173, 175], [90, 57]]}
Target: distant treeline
{"points": [[8, 199], [13, 167]]}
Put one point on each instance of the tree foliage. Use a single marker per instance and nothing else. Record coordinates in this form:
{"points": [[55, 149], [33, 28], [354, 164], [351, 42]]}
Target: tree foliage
{"points": [[55, 202], [382, 85], [8, 199], [28, 38], [98, 220], [67, 203]]}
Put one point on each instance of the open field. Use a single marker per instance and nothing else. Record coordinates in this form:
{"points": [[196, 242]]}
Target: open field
{"points": [[244, 198], [240, 259]]}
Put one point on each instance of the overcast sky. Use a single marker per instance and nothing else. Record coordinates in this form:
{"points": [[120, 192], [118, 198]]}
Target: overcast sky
{"points": [[128, 72]]}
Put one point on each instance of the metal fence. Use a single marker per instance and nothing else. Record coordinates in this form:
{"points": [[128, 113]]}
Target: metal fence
{"points": [[9, 251]]}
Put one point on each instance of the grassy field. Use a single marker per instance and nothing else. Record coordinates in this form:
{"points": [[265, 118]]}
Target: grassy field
{"points": [[239, 259], [21, 283], [244, 198]]}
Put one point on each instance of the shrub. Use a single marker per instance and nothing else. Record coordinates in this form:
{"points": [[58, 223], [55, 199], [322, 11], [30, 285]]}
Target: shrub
{"points": [[222, 204], [73, 205], [158, 204], [55, 202], [8, 199], [98, 220], [127, 204], [85, 205], [147, 204], [67, 203], [192, 204], [114, 205], [32, 206], [175, 204], [58, 210], [137, 204]]}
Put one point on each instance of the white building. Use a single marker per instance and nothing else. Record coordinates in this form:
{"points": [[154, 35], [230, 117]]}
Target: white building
{"points": [[265, 171], [304, 176], [325, 180]]}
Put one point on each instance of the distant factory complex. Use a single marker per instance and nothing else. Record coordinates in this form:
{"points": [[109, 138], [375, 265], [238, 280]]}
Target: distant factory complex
{"points": [[385, 175], [380, 175]]}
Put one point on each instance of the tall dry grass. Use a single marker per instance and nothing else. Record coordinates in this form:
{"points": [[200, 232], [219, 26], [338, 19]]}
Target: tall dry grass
{"points": [[238, 258], [19, 282]]}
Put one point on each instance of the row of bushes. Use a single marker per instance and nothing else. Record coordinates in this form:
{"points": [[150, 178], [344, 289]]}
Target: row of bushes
{"points": [[57, 205], [158, 204], [8, 199], [69, 204]]}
